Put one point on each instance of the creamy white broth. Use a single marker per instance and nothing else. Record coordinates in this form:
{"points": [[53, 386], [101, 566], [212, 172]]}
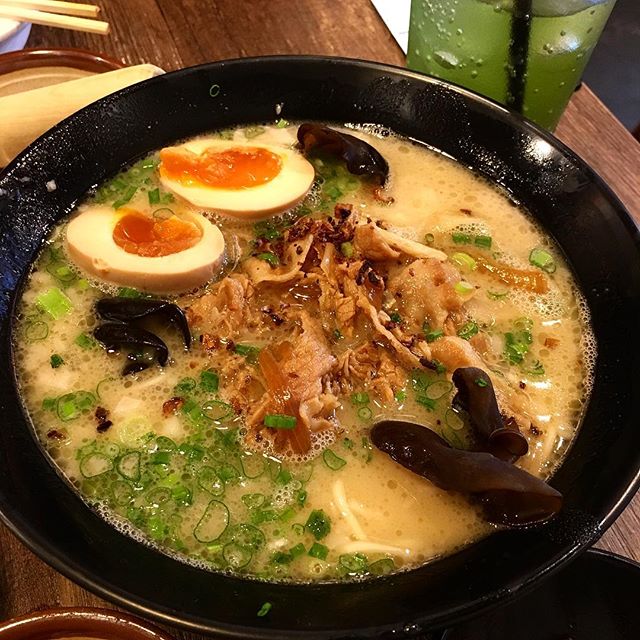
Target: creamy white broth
{"points": [[377, 509]]}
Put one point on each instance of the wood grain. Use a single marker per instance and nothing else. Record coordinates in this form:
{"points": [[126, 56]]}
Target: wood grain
{"points": [[178, 33]]}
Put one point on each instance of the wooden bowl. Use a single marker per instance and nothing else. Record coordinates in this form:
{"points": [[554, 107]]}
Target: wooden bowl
{"points": [[85, 622]]}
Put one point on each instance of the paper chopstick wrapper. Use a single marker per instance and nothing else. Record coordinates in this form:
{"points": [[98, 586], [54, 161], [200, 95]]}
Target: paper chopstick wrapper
{"points": [[27, 115]]}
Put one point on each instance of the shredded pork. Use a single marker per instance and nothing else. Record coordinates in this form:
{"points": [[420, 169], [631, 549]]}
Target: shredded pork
{"points": [[342, 309]]}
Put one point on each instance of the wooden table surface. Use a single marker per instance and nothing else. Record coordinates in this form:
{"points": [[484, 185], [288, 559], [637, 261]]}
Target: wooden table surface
{"points": [[180, 33]]}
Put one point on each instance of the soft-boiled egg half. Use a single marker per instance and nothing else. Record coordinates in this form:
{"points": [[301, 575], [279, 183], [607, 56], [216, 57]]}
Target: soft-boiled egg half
{"points": [[244, 179], [159, 253]]}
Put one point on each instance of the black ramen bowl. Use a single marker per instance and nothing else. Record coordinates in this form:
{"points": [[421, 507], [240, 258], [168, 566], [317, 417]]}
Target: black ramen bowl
{"points": [[597, 236]]}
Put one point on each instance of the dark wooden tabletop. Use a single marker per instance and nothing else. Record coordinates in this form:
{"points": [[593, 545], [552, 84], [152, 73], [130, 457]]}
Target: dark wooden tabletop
{"points": [[179, 33]]}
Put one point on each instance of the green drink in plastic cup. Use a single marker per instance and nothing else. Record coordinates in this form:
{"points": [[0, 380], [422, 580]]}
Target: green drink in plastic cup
{"points": [[526, 54]]}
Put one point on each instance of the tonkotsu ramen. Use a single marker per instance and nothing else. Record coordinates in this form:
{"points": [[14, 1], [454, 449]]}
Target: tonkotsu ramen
{"points": [[297, 352]]}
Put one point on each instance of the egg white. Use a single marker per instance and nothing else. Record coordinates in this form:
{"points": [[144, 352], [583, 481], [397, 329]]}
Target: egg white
{"points": [[90, 244], [285, 191]]}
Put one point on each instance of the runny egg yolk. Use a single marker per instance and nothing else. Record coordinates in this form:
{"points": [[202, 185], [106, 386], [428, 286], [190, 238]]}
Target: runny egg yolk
{"points": [[234, 168], [152, 237]]}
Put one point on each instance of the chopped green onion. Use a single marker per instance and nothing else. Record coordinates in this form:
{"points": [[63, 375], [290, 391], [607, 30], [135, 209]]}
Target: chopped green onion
{"points": [[100, 387], [85, 341], [496, 295], [165, 444], [347, 443], [428, 403], [184, 385], [192, 452], [128, 193], [280, 421], [182, 495], [333, 192], [61, 272], [452, 418], [395, 317], [360, 398], [274, 467], [253, 132], [253, 464], [129, 292], [49, 404], [71, 405], [95, 464], [298, 529], [438, 389], [440, 368], [128, 466], [400, 396], [337, 334], [432, 336], [122, 492], [248, 536], [281, 557], [213, 523], [354, 562], [288, 514], [264, 609], [236, 556], [253, 500], [461, 238], [537, 369], [382, 567], [160, 457], [429, 238], [163, 214], [346, 248], [516, 346], [82, 284], [463, 288], [284, 477], [214, 90], [228, 474], [269, 257], [318, 524], [282, 123], [36, 331], [368, 448], [464, 261], [267, 230], [56, 360], [217, 410], [154, 196], [301, 498], [364, 413], [319, 551], [263, 515], [332, 461], [484, 242], [209, 481], [468, 330], [209, 380], [156, 528], [297, 550], [542, 259], [54, 302], [481, 382], [248, 351]]}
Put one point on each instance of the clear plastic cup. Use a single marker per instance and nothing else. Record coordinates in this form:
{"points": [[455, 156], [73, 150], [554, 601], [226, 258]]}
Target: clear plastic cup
{"points": [[526, 54]]}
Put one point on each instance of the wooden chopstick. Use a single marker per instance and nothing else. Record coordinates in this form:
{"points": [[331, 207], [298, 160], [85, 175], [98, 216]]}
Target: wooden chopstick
{"points": [[55, 6], [54, 20]]}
